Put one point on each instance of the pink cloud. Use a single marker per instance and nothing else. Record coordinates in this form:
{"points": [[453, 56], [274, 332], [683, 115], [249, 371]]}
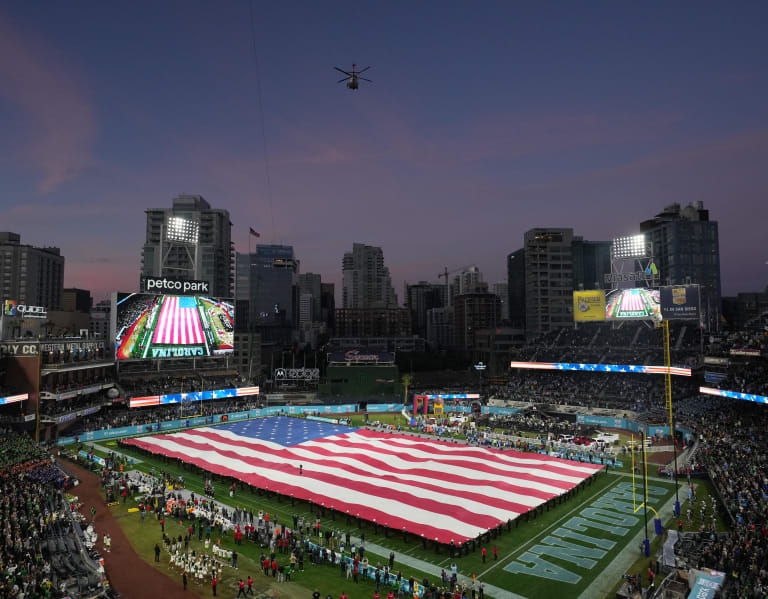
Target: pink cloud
{"points": [[59, 122]]}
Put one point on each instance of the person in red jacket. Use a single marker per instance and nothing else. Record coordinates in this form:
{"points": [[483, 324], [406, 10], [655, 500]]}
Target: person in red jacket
{"points": [[343, 595], [495, 553], [241, 588], [274, 568], [214, 582], [250, 585], [483, 554]]}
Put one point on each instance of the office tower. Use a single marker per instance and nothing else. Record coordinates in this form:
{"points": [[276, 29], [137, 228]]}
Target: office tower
{"points": [[686, 250], [475, 310], [366, 281], [501, 289], [265, 282], [76, 300], [100, 319], [310, 285], [556, 263], [420, 298], [30, 276], [516, 288], [190, 241]]}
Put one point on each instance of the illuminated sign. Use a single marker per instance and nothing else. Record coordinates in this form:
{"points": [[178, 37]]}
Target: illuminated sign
{"points": [[628, 368], [11, 308], [13, 398], [157, 400], [734, 395], [161, 284], [588, 306]]}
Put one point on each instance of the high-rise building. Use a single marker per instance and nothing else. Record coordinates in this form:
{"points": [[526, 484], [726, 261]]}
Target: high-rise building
{"points": [[686, 250], [441, 327], [76, 300], [310, 284], [366, 281], [265, 284], [328, 305], [373, 322], [190, 241], [419, 299], [99, 319], [516, 288], [473, 311], [501, 289], [29, 275], [556, 262]]}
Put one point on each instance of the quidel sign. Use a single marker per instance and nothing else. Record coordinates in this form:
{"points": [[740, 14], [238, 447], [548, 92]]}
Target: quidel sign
{"points": [[11, 308], [163, 284]]}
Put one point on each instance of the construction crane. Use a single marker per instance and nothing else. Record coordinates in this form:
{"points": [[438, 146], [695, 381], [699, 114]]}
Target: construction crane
{"points": [[445, 274]]}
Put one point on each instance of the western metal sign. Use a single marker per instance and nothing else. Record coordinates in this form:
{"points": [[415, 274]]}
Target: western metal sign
{"points": [[18, 348], [164, 285]]}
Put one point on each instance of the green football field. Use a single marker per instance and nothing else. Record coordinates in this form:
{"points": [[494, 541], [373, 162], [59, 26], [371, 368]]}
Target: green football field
{"points": [[579, 548]]}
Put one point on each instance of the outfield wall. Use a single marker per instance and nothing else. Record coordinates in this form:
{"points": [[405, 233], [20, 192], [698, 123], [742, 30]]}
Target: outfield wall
{"points": [[168, 425]]}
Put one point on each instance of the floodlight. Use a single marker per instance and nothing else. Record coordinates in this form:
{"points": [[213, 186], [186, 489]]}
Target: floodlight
{"points": [[629, 247], [182, 229]]}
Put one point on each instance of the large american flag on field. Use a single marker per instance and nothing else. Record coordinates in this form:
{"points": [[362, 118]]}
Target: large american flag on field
{"points": [[179, 322], [438, 489]]}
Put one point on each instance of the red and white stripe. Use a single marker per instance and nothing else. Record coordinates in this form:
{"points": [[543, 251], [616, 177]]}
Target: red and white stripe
{"points": [[436, 489], [176, 325], [14, 398], [533, 365], [247, 391], [675, 370], [140, 402]]}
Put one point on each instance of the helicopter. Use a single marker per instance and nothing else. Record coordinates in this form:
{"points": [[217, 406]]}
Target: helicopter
{"points": [[353, 77]]}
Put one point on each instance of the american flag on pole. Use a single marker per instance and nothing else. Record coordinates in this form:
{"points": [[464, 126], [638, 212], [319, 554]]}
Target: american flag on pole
{"points": [[179, 322], [440, 490]]}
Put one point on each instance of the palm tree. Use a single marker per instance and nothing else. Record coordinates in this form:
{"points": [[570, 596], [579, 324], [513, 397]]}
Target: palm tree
{"points": [[406, 381]]}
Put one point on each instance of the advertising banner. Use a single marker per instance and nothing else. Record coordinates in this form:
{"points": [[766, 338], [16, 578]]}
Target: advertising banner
{"points": [[680, 301], [172, 326], [588, 305], [745, 352], [158, 400], [358, 356]]}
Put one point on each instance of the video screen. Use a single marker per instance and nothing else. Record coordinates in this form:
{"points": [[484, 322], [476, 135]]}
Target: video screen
{"points": [[634, 303], [172, 326]]}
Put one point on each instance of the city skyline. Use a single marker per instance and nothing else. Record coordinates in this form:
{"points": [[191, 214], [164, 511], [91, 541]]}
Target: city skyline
{"points": [[478, 126]]}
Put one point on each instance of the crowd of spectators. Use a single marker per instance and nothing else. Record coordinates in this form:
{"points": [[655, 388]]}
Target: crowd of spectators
{"points": [[118, 416], [733, 449], [41, 553], [167, 385]]}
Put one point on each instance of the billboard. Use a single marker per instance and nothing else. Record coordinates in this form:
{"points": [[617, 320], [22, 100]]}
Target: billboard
{"points": [[172, 326], [734, 395], [680, 301], [159, 400], [629, 368], [588, 305], [357, 356], [14, 398], [637, 303]]}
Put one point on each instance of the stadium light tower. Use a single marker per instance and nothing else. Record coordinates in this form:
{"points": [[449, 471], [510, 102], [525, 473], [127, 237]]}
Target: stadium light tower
{"points": [[179, 241], [633, 246]]}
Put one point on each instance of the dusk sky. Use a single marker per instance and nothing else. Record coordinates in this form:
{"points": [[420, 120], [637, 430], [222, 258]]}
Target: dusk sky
{"points": [[484, 119]]}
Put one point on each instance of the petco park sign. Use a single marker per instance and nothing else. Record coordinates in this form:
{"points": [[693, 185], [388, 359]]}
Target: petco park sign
{"points": [[161, 284]]}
